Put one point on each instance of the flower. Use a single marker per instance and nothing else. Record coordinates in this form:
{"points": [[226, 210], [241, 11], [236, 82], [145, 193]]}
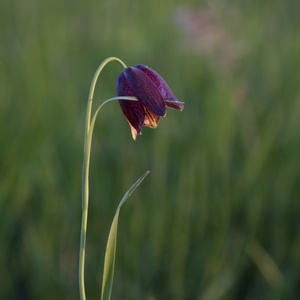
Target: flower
{"points": [[152, 93]]}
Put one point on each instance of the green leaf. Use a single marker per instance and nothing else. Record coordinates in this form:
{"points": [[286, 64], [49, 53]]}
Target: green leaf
{"points": [[109, 262]]}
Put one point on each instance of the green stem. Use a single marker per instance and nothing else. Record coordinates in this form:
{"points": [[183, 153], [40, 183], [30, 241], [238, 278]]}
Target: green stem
{"points": [[85, 171]]}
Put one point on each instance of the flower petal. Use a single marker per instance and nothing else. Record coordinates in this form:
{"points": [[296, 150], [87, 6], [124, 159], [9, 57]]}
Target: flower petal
{"points": [[133, 131], [162, 87], [133, 110], [135, 115], [151, 119], [145, 90]]}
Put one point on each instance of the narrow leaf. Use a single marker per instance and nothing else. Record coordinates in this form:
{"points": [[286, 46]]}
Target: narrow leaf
{"points": [[109, 262]]}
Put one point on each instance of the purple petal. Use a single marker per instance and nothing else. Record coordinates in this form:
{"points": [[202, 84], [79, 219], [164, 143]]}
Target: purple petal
{"points": [[145, 90], [162, 87], [135, 115], [133, 110]]}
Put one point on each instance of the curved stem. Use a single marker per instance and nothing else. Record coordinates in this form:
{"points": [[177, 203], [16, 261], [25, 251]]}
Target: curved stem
{"points": [[85, 170], [92, 90]]}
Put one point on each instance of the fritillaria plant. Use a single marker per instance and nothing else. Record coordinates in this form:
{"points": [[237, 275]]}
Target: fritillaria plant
{"points": [[153, 96], [143, 96]]}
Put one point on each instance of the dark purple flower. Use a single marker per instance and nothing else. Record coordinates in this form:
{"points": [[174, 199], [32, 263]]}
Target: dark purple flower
{"points": [[153, 96]]}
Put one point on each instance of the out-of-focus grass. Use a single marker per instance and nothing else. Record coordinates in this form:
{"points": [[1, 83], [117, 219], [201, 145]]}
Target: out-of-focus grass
{"points": [[218, 217]]}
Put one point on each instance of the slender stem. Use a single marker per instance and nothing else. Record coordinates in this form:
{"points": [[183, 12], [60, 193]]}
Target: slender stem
{"points": [[85, 171]]}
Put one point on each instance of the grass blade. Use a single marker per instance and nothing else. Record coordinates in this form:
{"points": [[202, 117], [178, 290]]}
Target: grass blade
{"points": [[109, 262]]}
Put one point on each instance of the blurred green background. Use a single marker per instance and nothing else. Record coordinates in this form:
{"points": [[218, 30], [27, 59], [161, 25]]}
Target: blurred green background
{"points": [[218, 216]]}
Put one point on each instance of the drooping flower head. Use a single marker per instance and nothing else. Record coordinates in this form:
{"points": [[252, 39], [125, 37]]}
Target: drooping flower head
{"points": [[153, 96]]}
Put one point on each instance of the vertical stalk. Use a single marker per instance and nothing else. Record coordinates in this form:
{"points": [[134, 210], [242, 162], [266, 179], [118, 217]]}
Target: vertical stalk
{"points": [[85, 173]]}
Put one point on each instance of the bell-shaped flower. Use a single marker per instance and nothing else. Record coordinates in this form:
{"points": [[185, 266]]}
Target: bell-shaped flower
{"points": [[152, 93]]}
